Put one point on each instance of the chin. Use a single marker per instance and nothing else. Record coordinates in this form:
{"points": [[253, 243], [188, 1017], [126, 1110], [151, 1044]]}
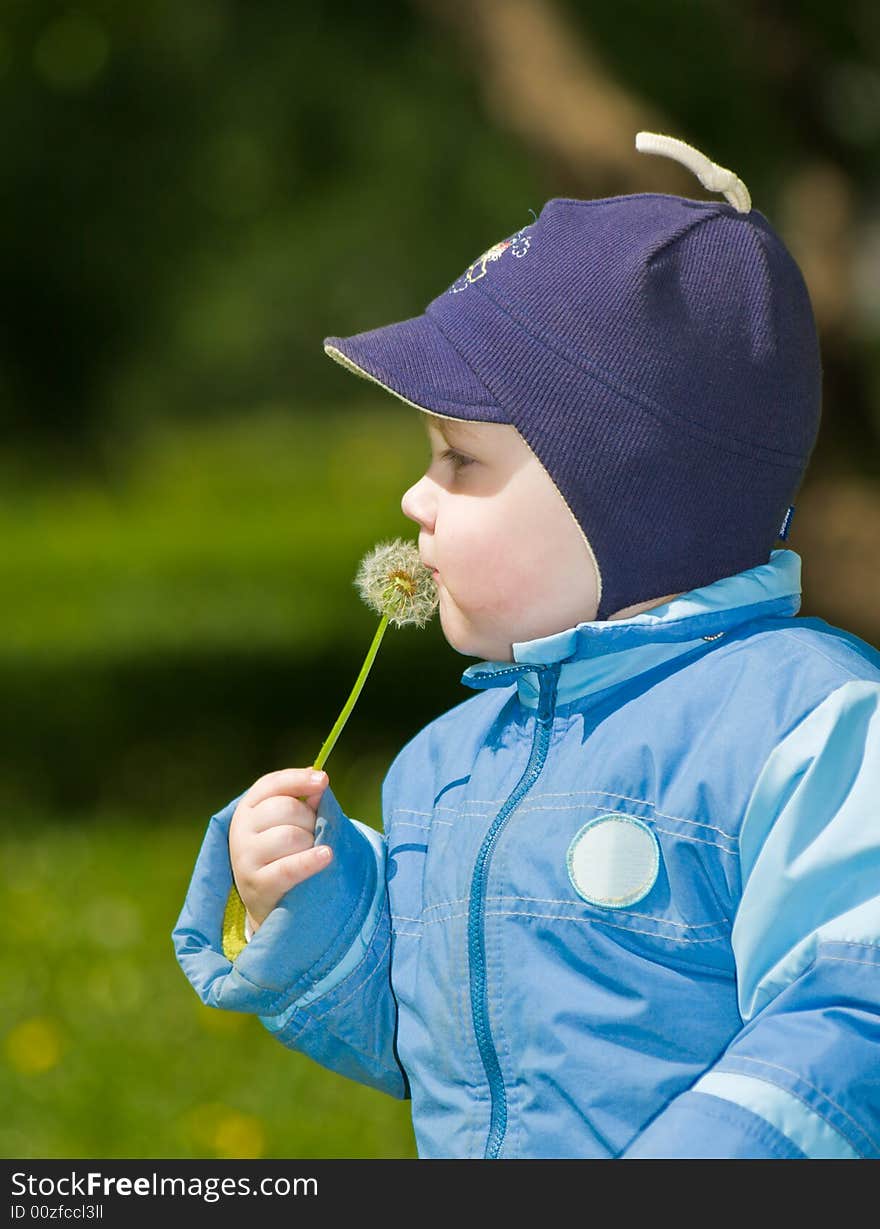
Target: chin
{"points": [[458, 638], [467, 641], [457, 642]]}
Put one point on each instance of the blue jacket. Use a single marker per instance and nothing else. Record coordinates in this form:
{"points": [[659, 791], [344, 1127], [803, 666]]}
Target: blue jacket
{"points": [[626, 902]]}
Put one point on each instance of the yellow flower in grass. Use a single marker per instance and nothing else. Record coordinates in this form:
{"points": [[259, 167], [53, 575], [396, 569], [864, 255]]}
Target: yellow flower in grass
{"points": [[34, 1045]]}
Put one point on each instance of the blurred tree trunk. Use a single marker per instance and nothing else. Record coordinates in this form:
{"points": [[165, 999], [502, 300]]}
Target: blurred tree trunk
{"points": [[542, 80]]}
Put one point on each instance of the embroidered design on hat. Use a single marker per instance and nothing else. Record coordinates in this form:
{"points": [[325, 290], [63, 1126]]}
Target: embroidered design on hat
{"points": [[613, 861], [517, 245]]}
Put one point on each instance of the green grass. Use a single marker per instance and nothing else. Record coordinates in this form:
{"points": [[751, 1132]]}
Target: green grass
{"points": [[107, 1052], [209, 535], [241, 535]]}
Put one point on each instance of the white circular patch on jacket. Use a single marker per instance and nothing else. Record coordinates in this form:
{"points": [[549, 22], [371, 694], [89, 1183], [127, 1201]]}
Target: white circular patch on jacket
{"points": [[613, 861]]}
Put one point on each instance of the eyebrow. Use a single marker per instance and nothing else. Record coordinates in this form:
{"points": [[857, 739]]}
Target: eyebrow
{"points": [[447, 426]]}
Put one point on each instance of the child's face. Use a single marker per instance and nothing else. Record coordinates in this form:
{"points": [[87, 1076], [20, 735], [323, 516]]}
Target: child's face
{"points": [[512, 564]]}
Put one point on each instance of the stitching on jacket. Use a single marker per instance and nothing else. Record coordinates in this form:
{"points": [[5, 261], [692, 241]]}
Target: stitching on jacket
{"points": [[872, 964], [549, 900], [296, 1017], [650, 917], [434, 921], [837, 665], [461, 901], [342, 1002], [557, 917], [645, 818], [643, 802], [604, 793], [812, 1108], [487, 802], [851, 959], [602, 922], [284, 1001], [699, 840], [761, 1062], [405, 823], [758, 1131]]}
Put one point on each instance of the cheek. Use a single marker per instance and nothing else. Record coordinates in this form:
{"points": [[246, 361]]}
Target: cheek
{"points": [[492, 551], [490, 573]]}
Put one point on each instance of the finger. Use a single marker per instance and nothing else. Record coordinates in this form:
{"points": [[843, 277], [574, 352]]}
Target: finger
{"points": [[286, 873], [279, 842], [295, 782], [264, 848], [281, 811]]}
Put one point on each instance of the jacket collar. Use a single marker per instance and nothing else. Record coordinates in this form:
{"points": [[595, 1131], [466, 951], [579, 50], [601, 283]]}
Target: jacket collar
{"points": [[592, 656]]}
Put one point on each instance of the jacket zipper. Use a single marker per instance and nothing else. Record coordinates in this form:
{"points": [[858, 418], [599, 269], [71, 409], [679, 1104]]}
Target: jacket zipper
{"points": [[548, 679]]}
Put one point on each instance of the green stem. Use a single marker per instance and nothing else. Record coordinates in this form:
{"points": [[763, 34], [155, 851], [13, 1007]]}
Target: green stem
{"points": [[352, 699], [233, 918]]}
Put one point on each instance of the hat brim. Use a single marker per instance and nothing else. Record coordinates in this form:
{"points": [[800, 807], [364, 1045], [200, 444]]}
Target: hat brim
{"points": [[413, 360]]}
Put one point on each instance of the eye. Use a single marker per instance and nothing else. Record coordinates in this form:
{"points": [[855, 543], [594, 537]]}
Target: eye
{"points": [[455, 459]]}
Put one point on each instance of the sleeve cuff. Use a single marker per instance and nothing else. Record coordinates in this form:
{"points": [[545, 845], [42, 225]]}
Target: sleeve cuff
{"points": [[301, 941]]}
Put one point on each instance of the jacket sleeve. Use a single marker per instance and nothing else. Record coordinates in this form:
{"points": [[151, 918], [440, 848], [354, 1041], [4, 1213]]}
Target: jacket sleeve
{"points": [[317, 971], [800, 1079]]}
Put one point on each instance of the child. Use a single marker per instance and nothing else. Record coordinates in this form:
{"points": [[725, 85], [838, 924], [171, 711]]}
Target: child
{"points": [[627, 899]]}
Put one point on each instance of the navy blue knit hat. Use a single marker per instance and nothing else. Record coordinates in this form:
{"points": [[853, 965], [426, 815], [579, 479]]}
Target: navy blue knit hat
{"points": [[658, 355]]}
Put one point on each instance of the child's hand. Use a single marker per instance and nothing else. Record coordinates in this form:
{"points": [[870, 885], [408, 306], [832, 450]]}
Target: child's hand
{"points": [[272, 838]]}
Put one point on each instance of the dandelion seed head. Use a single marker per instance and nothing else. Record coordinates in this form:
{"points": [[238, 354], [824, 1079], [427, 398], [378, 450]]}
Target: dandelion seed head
{"points": [[393, 581]]}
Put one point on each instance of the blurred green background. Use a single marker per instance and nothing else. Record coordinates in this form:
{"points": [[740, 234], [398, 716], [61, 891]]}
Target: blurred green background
{"points": [[194, 195]]}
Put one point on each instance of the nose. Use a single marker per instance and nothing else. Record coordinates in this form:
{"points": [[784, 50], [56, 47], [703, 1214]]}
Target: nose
{"points": [[416, 504]]}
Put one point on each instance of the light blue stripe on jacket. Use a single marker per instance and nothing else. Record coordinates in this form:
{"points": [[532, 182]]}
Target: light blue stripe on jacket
{"points": [[815, 1137], [810, 861]]}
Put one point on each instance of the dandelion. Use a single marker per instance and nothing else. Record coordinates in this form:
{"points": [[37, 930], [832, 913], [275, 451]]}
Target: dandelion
{"points": [[392, 581]]}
